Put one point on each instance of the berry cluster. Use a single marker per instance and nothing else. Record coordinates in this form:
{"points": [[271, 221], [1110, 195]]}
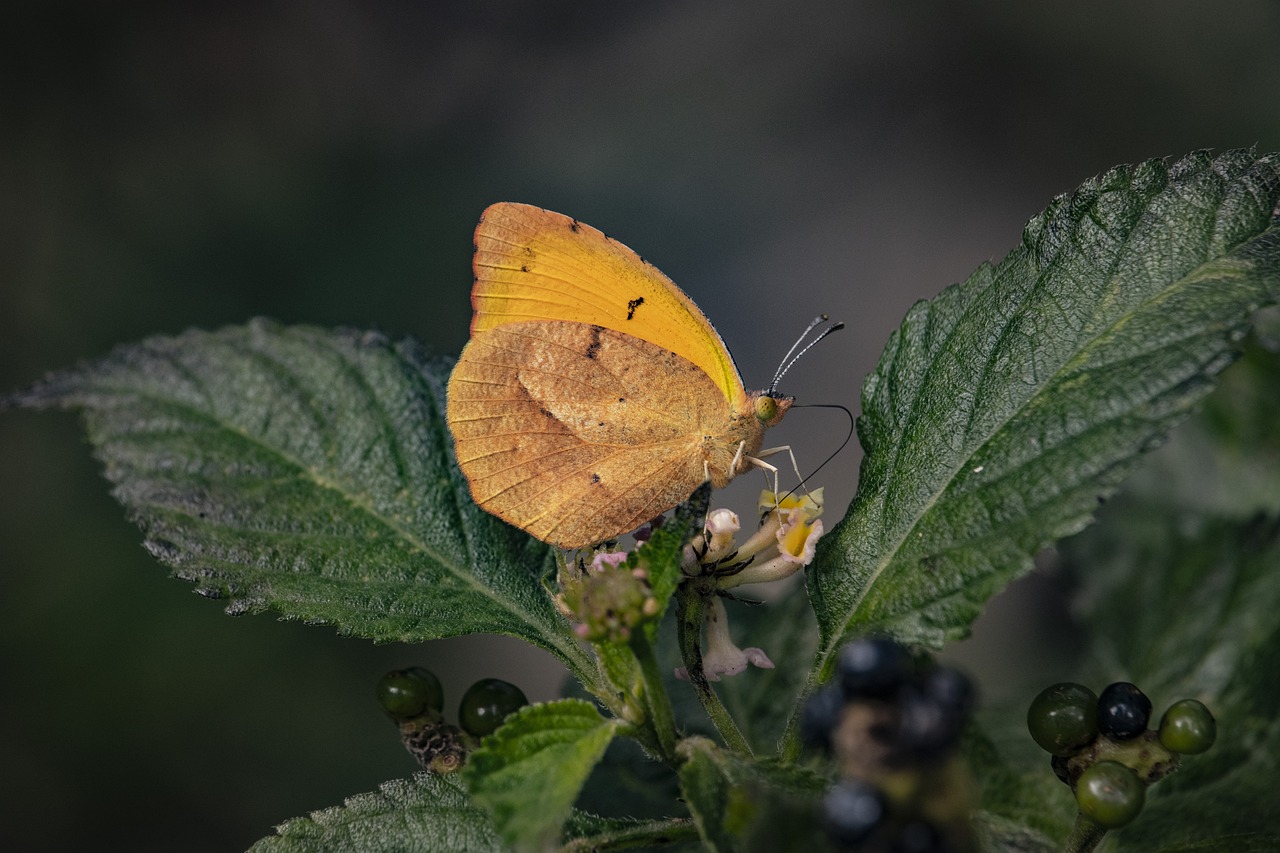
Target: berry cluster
{"points": [[893, 725], [1102, 748], [414, 699]]}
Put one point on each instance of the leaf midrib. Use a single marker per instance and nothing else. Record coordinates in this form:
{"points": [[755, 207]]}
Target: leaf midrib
{"points": [[574, 654]]}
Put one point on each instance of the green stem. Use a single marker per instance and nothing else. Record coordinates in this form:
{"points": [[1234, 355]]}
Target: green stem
{"points": [[660, 716], [649, 834], [691, 608], [1085, 835]]}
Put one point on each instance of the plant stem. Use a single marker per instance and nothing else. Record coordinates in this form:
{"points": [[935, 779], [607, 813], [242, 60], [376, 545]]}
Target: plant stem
{"points": [[660, 716], [690, 610], [649, 834], [1085, 835]]}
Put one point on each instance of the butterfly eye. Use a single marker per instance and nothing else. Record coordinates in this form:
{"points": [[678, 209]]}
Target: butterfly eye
{"points": [[766, 409]]}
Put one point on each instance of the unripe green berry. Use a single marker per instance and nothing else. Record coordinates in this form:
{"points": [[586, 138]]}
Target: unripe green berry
{"points": [[408, 693], [1063, 718], [1110, 794], [487, 703], [1187, 727]]}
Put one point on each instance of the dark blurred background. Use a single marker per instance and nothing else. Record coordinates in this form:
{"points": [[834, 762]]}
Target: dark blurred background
{"points": [[168, 165]]}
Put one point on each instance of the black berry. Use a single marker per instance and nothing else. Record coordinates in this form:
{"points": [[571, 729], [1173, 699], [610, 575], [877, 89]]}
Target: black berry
{"points": [[851, 811], [821, 716], [872, 667], [1123, 711]]}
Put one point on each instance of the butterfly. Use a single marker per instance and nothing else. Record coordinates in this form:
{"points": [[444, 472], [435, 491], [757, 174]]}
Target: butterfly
{"points": [[593, 394]]}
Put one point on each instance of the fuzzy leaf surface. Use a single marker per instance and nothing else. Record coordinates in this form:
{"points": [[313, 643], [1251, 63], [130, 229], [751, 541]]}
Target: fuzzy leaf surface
{"points": [[428, 813], [529, 772], [309, 472], [1004, 408]]}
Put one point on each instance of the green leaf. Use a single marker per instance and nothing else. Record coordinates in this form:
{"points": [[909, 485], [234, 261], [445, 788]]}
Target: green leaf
{"points": [[1181, 601], [427, 813], [707, 788], [1188, 609], [309, 472], [529, 772], [588, 833], [738, 802], [1225, 461], [1002, 409]]}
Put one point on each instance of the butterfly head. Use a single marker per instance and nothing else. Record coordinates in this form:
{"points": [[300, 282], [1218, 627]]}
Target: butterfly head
{"points": [[770, 407]]}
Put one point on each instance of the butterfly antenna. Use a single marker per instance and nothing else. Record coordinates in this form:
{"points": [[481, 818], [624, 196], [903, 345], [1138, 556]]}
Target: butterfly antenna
{"points": [[813, 324], [788, 360], [835, 452]]}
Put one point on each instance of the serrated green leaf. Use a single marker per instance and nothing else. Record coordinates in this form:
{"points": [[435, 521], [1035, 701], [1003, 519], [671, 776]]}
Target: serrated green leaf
{"points": [[664, 550], [1002, 409], [309, 472], [428, 813], [1225, 461], [529, 772]]}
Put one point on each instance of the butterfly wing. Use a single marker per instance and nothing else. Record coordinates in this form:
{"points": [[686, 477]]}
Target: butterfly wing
{"points": [[577, 433], [533, 264]]}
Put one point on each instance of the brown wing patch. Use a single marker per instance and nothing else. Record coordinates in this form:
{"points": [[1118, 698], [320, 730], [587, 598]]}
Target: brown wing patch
{"points": [[578, 433]]}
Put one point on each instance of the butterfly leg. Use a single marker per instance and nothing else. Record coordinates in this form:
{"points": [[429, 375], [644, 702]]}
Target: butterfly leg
{"points": [[795, 466]]}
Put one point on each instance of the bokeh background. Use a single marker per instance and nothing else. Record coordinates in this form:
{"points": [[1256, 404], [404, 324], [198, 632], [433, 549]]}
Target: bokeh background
{"points": [[166, 165]]}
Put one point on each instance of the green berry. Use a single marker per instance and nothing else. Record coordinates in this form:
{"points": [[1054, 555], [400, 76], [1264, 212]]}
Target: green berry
{"points": [[1063, 718], [1187, 727], [408, 693], [487, 703], [1110, 794]]}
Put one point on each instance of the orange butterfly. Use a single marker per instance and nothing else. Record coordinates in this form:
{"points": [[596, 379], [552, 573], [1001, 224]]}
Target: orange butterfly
{"points": [[593, 394]]}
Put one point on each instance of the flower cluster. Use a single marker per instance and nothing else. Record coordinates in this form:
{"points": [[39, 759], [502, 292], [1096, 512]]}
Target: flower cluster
{"points": [[605, 598], [782, 546]]}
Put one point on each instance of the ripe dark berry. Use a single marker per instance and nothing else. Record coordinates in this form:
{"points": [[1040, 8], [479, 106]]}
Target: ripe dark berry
{"points": [[951, 688], [851, 811], [408, 693], [872, 667], [927, 726], [821, 716], [1187, 727], [1123, 711], [1110, 794], [1063, 718], [487, 703]]}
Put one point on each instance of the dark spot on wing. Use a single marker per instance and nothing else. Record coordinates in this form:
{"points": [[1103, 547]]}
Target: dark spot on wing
{"points": [[595, 478], [633, 305], [594, 346], [524, 268], [622, 399], [574, 226], [546, 413]]}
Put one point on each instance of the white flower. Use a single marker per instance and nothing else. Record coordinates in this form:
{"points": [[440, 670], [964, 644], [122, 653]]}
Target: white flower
{"points": [[722, 656]]}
